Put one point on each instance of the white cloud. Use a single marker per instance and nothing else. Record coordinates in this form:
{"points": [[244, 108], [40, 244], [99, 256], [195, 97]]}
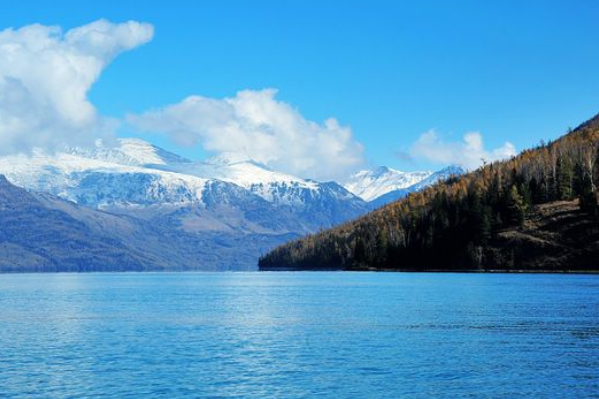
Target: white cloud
{"points": [[45, 76], [468, 153], [256, 124]]}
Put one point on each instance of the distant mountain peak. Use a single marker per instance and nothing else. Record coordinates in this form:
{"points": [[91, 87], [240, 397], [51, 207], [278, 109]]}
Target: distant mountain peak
{"points": [[452, 169], [372, 183], [382, 184], [231, 158], [129, 152], [378, 170], [381, 170], [149, 154]]}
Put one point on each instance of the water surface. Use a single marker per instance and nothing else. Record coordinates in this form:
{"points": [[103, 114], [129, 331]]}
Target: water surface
{"points": [[333, 335]]}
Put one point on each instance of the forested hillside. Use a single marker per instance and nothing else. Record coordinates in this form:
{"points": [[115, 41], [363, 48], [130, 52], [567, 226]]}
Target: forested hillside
{"points": [[536, 211]]}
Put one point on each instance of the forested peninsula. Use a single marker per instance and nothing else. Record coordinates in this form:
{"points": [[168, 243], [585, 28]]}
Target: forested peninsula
{"points": [[534, 212]]}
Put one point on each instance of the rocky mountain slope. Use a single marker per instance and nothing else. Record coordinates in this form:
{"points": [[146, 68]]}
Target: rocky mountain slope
{"points": [[41, 232], [555, 236]]}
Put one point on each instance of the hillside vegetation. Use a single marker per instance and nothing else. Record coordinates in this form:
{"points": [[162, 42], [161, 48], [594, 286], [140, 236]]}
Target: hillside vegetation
{"points": [[536, 211]]}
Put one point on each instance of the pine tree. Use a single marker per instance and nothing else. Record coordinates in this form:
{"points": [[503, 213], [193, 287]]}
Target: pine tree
{"points": [[564, 176], [515, 207], [359, 252], [588, 197], [578, 179], [479, 219], [382, 245]]}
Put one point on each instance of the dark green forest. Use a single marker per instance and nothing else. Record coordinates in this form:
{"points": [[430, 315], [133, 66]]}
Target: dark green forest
{"points": [[536, 211]]}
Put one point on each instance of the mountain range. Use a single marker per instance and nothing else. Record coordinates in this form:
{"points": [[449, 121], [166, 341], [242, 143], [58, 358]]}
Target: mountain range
{"points": [[162, 211], [383, 185]]}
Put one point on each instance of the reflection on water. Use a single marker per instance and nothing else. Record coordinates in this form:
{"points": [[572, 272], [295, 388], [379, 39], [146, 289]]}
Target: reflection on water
{"points": [[299, 334]]}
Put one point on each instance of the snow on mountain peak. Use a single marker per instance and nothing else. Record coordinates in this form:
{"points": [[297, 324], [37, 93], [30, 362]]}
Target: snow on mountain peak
{"points": [[452, 170], [371, 184], [129, 152], [105, 175], [148, 154], [383, 170], [229, 158], [245, 172], [136, 172]]}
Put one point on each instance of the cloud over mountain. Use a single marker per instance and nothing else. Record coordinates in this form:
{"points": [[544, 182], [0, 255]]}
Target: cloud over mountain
{"points": [[45, 76], [256, 124], [469, 153]]}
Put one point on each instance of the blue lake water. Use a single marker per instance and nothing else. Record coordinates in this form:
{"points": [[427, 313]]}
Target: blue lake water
{"points": [[333, 335]]}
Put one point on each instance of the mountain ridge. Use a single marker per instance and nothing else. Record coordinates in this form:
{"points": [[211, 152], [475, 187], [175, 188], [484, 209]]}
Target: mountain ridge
{"points": [[139, 173], [374, 183]]}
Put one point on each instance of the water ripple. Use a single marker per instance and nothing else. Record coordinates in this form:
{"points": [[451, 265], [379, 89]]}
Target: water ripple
{"points": [[340, 335]]}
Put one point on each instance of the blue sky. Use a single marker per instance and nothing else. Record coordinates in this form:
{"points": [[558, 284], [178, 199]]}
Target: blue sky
{"points": [[516, 71]]}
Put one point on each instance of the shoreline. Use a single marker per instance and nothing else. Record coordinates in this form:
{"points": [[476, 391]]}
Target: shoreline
{"points": [[329, 270], [488, 271]]}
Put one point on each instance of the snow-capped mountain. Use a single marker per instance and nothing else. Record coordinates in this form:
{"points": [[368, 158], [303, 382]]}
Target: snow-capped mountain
{"points": [[138, 174], [129, 152], [101, 178], [371, 184], [383, 185], [433, 178], [276, 187], [443, 174]]}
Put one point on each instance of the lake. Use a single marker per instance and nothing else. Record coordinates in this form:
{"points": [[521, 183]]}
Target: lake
{"points": [[335, 335]]}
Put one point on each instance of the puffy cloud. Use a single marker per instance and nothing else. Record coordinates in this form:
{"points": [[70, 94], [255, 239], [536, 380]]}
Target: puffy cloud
{"points": [[45, 76], [256, 124], [469, 152]]}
